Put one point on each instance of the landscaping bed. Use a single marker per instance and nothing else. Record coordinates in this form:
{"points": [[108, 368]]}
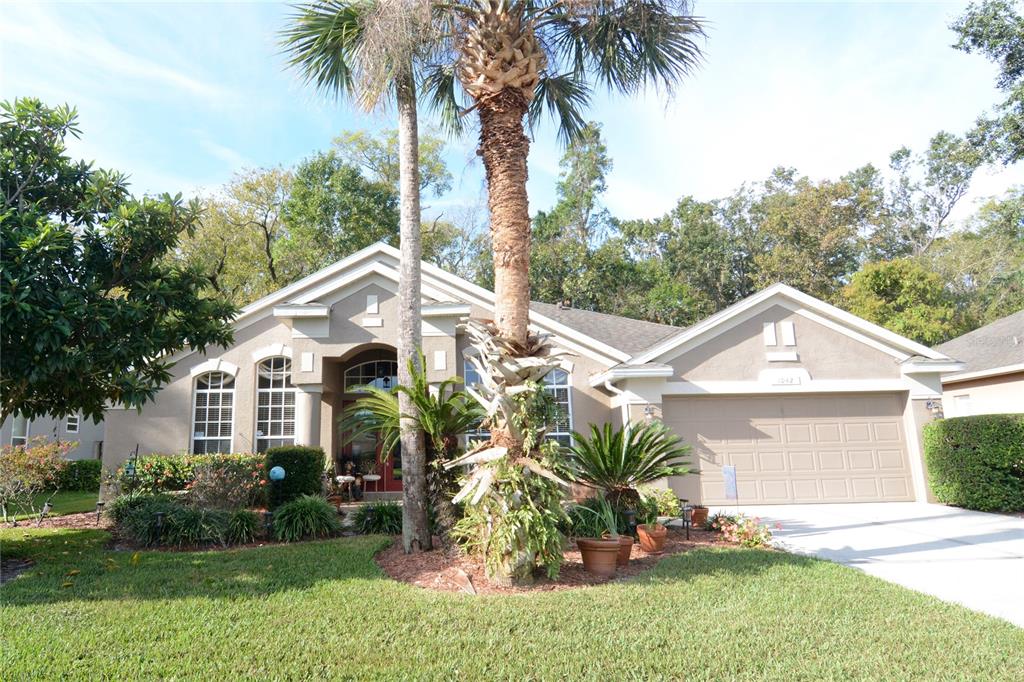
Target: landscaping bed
{"points": [[450, 570]]}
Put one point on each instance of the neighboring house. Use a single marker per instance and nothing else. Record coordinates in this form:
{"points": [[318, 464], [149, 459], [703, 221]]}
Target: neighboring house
{"points": [[18, 430], [993, 380], [807, 402]]}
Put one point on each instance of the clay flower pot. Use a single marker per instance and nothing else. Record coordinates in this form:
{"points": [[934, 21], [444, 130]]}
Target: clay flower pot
{"points": [[625, 549], [652, 537], [699, 517], [599, 556]]}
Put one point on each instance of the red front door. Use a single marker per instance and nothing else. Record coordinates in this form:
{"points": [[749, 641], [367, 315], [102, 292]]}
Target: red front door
{"points": [[364, 453]]}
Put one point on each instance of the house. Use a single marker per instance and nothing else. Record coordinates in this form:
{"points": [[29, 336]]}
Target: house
{"points": [[17, 430], [992, 382], [807, 402]]}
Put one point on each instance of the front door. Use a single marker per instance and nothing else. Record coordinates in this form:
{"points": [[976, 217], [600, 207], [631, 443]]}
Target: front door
{"points": [[364, 453]]}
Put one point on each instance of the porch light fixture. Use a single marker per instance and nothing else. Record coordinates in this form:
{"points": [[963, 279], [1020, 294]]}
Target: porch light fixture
{"points": [[99, 510], [649, 412], [687, 516], [46, 510]]}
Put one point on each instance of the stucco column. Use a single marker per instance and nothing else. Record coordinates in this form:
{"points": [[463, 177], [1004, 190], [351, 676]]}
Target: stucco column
{"points": [[307, 414]]}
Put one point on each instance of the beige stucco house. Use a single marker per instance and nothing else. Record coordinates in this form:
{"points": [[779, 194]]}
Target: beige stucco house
{"points": [[992, 381], [807, 402]]}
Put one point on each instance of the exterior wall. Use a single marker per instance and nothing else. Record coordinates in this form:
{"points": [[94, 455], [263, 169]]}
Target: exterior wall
{"points": [[740, 353], [990, 395], [89, 438]]}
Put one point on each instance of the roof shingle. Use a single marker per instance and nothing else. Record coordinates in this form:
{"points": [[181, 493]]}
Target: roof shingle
{"points": [[623, 333], [997, 344]]}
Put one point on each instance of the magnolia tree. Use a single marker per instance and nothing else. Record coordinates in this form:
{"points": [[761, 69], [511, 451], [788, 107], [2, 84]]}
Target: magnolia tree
{"points": [[27, 470]]}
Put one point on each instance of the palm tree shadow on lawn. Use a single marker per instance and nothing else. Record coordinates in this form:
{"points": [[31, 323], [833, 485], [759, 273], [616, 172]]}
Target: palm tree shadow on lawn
{"points": [[75, 566]]}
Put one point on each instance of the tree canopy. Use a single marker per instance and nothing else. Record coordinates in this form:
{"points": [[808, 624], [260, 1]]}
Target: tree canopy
{"points": [[91, 304]]}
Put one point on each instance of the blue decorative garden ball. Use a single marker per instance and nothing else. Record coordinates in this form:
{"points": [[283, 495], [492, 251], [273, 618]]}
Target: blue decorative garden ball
{"points": [[277, 474]]}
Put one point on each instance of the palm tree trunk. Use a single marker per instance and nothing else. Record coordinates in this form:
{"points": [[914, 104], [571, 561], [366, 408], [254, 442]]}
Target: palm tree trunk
{"points": [[415, 528], [504, 148]]}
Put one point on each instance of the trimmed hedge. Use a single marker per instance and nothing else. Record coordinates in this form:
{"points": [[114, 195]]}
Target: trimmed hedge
{"points": [[80, 474], [156, 473], [977, 462], [303, 467]]}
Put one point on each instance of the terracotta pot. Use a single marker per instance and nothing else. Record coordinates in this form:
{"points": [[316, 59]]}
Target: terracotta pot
{"points": [[652, 537], [625, 549], [699, 517], [599, 556]]}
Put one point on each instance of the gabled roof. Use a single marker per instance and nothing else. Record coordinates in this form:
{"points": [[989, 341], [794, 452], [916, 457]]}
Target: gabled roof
{"points": [[990, 349], [844, 322], [624, 333]]}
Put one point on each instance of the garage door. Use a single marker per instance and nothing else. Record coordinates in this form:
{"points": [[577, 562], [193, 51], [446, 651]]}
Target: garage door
{"points": [[808, 448]]}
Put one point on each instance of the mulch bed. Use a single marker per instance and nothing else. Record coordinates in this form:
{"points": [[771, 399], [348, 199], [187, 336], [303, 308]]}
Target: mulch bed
{"points": [[448, 570], [83, 521]]}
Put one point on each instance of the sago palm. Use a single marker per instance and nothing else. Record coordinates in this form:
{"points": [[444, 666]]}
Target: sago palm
{"points": [[369, 50], [618, 461]]}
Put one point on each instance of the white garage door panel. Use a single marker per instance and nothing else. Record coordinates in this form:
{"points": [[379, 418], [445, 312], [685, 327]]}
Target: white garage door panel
{"points": [[809, 448]]}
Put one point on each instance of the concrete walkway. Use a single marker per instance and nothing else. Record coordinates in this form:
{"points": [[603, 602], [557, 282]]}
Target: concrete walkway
{"points": [[971, 558]]}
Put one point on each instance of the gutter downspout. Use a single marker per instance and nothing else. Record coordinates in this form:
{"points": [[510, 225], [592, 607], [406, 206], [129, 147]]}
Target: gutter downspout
{"points": [[618, 391]]}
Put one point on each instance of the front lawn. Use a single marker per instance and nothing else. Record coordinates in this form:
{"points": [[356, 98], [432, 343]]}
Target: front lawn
{"points": [[324, 610], [64, 502]]}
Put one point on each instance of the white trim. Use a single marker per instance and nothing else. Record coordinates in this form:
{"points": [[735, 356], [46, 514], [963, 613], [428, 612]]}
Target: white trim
{"points": [[256, 438], [648, 371], [372, 304], [445, 310], [440, 360], [769, 334], [775, 294], [782, 356], [271, 351], [302, 310], [983, 373], [929, 366], [214, 365], [67, 423], [788, 332], [812, 386], [372, 322], [915, 452], [306, 362]]}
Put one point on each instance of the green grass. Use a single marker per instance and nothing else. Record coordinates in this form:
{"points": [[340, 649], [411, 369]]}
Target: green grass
{"points": [[64, 502], [323, 610]]}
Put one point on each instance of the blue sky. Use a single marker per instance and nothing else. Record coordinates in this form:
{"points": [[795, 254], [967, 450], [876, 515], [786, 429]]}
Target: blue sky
{"points": [[182, 95]]}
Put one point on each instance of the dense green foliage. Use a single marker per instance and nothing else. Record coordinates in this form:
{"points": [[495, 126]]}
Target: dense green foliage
{"points": [[274, 612], [618, 461], [977, 462], [243, 526], [80, 474], [181, 524], [153, 473], [306, 517], [383, 518], [303, 467], [91, 307], [196, 527], [146, 519], [28, 470]]}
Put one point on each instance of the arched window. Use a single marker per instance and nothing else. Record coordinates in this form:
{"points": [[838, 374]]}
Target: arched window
{"points": [[557, 383], [275, 404], [381, 374], [213, 412]]}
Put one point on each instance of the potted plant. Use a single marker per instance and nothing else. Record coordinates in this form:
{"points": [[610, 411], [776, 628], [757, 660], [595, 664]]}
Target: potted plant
{"points": [[699, 516], [601, 553], [652, 534]]}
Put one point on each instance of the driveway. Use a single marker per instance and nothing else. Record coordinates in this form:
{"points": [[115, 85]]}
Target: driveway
{"points": [[971, 558]]}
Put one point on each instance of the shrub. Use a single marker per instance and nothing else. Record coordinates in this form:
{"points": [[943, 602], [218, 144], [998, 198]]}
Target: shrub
{"points": [[977, 462], [192, 527], [124, 505], [665, 501], [80, 474], [155, 473], [243, 526], [743, 530], [228, 483], [26, 470], [140, 523], [381, 518], [307, 516], [304, 468]]}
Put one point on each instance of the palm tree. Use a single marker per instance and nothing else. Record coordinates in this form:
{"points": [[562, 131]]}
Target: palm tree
{"points": [[516, 59], [368, 50]]}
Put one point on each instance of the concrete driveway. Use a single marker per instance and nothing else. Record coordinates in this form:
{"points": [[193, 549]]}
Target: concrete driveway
{"points": [[971, 558]]}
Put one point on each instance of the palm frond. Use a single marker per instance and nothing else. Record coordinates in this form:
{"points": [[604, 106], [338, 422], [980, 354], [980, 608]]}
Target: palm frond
{"points": [[440, 88], [322, 41], [564, 97], [622, 459]]}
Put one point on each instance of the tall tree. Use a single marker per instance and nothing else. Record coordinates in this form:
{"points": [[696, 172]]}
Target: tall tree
{"points": [[995, 29], [92, 305], [378, 155], [369, 50]]}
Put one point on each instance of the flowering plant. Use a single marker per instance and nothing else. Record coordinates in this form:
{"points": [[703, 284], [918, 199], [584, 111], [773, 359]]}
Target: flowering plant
{"points": [[743, 530], [26, 470]]}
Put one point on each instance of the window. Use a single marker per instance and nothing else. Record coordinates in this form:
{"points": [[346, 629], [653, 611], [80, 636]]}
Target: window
{"points": [[557, 384], [71, 425], [214, 411], [275, 404], [381, 374], [19, 430]]}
